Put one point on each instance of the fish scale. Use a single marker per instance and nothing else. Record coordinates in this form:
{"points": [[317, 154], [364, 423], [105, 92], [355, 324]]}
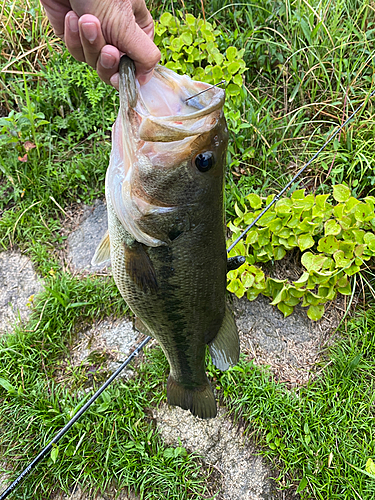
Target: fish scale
{"points": [[166, 228]]}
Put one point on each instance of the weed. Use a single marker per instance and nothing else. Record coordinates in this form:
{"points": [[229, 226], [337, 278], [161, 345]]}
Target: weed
{"points": [[322, 433], [308, 65], [115, 442]]}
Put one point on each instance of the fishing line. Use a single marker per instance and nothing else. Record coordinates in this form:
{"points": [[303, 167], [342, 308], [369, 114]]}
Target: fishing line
{"points": [[71, 422], [65, 429], [277, 197], [205, 90]]}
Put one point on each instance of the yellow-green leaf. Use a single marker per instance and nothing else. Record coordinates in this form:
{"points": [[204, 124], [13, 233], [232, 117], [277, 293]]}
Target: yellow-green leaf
{"points": [[231, 53], [315, 312], [166, 19], [54, 453], [252, 294], [331, 227], [305, 241], [328, 244], [370, 466], [341, 193], [285, 309], [254, 200]]}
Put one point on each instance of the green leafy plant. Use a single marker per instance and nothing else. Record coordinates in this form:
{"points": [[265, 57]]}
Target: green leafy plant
{"points": [[336, 241], [190, 47], [78, 102], [16, 128]]}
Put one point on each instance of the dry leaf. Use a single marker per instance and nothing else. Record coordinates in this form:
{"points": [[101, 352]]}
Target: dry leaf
{"points": [[29, 145]]}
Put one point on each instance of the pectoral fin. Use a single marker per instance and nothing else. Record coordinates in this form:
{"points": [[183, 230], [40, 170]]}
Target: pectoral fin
{"points": [[225, 347], [140, 268], [102, 253]]}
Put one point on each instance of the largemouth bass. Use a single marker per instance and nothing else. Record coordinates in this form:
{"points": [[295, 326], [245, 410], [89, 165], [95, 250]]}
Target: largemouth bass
{"points": [[166, 227]]}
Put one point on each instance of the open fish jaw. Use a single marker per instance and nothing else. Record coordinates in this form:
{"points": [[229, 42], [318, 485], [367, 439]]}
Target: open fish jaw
{"points": [[147, 173], [170, 117], [165, 96]]}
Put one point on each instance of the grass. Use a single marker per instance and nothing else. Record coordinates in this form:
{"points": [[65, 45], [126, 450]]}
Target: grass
{"points": [[324, 430], [115, 443], [309, 65]]}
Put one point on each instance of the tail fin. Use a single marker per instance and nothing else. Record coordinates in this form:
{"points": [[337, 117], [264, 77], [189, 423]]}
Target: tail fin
{"points": [[200, 401]]}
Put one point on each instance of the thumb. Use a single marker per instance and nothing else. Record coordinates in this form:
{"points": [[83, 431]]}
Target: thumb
{"points": [[119, 21]]}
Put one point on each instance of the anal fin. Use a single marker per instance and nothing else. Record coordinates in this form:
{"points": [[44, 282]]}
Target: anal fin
{"points": [[141, 327], [199, 400], [102, 253], [225, 347], [140, 268]]}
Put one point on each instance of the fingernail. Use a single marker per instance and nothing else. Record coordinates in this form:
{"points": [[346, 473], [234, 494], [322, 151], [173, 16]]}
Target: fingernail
{"points": [[114, 80], [90, 32], [146, 77], [107, 61], [73, 23]]}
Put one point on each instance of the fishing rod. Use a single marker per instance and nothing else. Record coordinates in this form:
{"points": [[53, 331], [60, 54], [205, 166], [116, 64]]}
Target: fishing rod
{"points": [[72, 421], [236, 262]]}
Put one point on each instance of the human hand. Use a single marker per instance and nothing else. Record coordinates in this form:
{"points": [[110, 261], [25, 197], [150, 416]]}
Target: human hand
{"points": [[98, 32]]}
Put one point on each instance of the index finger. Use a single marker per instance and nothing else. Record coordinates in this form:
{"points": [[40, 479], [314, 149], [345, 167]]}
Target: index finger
{"points": [[56, 12], [143, 18], [145, 54]]}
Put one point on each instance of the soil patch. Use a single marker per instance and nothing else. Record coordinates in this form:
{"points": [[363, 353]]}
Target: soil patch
{"points": [[290, 346]]}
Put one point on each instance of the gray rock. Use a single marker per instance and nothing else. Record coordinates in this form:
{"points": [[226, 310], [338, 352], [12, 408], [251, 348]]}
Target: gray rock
{"points": [[18, 285], [243, 474], [113, 339], [83, 241], [290, 346]]}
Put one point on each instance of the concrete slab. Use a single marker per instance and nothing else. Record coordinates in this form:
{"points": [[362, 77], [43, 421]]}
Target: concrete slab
{"points": [[243, 474], [18, 285], [110, 340], [83, 241]]}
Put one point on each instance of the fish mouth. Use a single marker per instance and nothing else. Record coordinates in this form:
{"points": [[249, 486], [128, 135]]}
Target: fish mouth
{"points": [[165, 113], [148, 176]]}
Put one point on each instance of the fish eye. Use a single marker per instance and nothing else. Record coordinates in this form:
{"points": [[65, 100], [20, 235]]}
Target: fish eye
{"points": [[204, 161]]}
